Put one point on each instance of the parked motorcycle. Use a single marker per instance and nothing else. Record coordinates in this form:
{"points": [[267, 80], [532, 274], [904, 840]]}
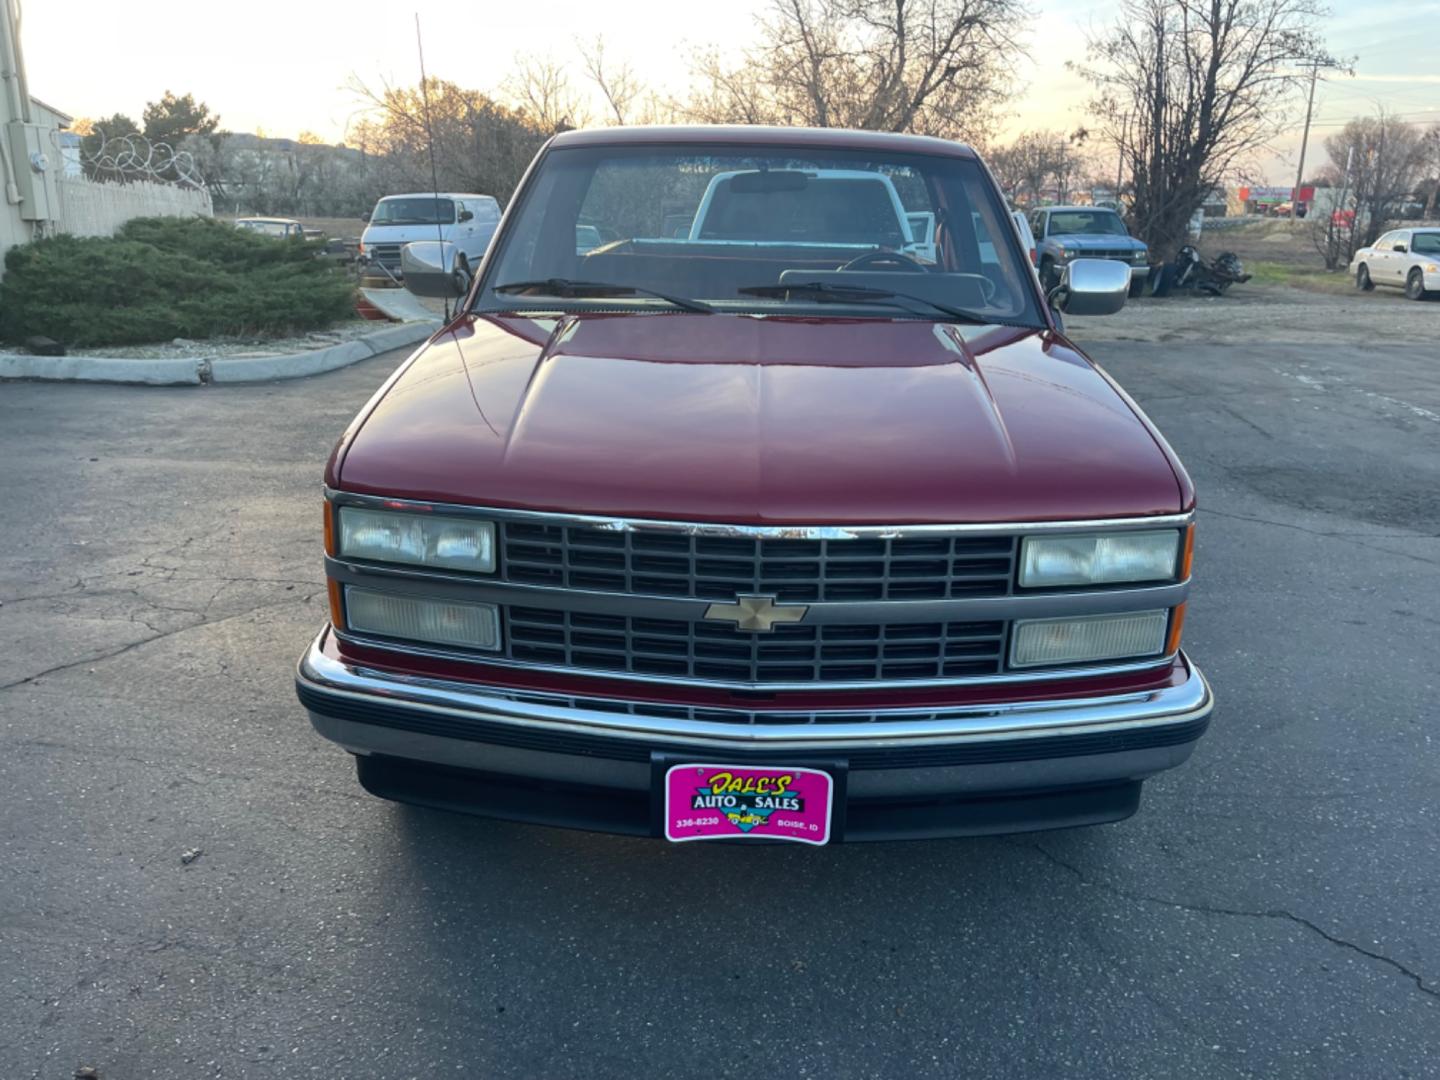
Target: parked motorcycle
{"points": [[1191, 270]]}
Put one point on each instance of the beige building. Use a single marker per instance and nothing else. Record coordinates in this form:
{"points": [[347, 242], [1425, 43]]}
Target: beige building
{"points": [[30, 161], [43, 189]]}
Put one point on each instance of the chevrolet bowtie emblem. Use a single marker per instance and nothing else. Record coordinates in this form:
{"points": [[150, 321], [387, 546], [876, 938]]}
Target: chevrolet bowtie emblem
{"points": [[757, 613]]}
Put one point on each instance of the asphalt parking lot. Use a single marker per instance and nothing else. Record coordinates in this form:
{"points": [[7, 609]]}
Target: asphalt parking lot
{"points": [[1273, 911]]}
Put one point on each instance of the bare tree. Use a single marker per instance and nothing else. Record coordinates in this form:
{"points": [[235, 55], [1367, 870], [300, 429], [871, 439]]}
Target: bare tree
{"points": [[1387, 161], [480, 145], [1431, 183], [1037, 163], [618, 83], [1005, 167], [937, 67], [542, 91], [727, 94], [1187, 89]]}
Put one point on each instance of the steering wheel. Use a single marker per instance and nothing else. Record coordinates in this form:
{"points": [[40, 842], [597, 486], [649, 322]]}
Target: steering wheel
{"points": [[895, 260]]}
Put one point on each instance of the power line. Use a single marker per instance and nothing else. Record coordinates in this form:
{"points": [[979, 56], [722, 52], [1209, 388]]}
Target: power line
{"points": [[1425, 116]]}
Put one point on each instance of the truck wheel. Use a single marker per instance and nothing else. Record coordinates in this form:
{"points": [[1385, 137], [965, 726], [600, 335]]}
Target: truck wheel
{"points": [[1362, 279], [462, 276], [1415, 285], [1048, 278], [1137, 286]]}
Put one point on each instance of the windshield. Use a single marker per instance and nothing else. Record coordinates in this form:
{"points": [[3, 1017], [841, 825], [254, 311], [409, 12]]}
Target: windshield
{"points": [[1426, 243], [414, 210], [753, 229], [1087, 223]]}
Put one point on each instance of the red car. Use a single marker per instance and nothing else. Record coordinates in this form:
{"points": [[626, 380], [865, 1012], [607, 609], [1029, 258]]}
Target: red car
{"points": [[785, 526]]}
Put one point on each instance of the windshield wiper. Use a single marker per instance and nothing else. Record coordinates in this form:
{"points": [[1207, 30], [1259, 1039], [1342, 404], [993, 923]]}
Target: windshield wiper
{"points": [[825, 291], [564, 287]]}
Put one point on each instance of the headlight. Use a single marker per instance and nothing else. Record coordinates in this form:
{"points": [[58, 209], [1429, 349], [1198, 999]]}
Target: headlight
{"points": [[1432, 268], [444, 543], [1139, 256], [1053, 642], [1102, 559], [443, 622]]}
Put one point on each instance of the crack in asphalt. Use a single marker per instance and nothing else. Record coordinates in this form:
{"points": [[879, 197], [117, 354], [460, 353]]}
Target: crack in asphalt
{"points": [[81, 588], [155, 637], [1207, 909]]}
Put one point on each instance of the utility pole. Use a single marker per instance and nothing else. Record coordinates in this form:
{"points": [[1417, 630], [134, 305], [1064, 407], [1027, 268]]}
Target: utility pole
{"points": [[1304, 139]]}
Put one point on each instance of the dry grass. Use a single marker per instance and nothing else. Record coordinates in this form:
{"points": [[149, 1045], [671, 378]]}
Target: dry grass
{"points": [[1309, 278], [335, 228], [1273, 243]]}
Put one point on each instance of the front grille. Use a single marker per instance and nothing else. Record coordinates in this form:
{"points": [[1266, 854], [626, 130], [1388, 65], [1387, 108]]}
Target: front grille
{"points": [[387, 255], [717, 651], [802, 571]]}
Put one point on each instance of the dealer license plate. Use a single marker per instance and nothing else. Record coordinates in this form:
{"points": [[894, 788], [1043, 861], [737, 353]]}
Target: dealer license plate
{"points": [[745, 802]]}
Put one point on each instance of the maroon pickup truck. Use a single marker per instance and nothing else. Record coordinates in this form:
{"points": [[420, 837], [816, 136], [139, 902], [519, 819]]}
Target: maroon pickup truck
{"points": [[755, 493]]}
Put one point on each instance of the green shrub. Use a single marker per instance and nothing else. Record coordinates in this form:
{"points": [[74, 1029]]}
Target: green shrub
{"points": [[162, 278]]}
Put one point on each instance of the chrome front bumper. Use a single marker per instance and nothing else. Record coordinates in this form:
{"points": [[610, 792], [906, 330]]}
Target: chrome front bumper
{"points": [[907, 754]]}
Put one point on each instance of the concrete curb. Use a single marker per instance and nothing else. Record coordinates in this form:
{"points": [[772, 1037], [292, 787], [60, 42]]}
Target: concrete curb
{"points": [[298, 365], [195, 370], [167, 372]]}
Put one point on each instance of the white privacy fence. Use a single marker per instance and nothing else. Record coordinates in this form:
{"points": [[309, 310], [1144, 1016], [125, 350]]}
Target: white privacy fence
{"points": [[91, 209]]}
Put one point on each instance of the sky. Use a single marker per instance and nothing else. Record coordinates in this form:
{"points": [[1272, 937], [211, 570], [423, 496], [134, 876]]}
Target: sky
{"points": [[285, 66]]}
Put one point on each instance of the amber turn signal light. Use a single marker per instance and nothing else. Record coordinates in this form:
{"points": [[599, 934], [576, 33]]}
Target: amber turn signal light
{"points": [[1187, 554], [337, 612], [1177, 624]]}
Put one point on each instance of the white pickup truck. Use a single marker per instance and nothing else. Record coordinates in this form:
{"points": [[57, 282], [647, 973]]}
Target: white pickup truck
{"points": [[823, 207]]}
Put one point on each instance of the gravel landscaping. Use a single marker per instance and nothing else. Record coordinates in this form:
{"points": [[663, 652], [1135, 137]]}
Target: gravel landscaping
{"points": [[238, 347]]}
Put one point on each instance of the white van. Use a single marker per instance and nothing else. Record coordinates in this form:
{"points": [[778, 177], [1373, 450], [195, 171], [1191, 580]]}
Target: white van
{"points": [[465, 220]]}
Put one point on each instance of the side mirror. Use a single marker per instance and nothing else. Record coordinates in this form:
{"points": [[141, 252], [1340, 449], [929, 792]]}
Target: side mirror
{"points": [[466, 215], [365, 216], [432, 268], [1092, 287], [1401, 248]]}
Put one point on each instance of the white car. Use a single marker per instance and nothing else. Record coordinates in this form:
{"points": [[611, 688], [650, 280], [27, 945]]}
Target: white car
{"points": [[1406, 259], [466, 221]]}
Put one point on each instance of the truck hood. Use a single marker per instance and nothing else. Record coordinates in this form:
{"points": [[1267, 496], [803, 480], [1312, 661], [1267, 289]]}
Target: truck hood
{"points": [[1091, 242], [748, 420]]}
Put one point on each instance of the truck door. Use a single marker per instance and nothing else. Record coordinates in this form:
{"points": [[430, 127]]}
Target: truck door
{"points": [[465, 231]]}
